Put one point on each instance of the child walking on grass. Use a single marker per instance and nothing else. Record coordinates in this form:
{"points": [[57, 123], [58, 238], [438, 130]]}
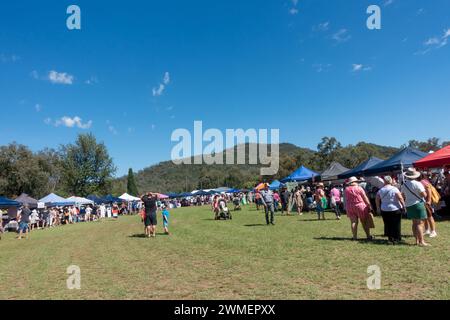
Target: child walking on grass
{"points": [[166, 215]]}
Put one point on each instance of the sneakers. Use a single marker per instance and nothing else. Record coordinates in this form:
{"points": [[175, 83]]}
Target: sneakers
{"points": [[433, 234], [427, 232]]}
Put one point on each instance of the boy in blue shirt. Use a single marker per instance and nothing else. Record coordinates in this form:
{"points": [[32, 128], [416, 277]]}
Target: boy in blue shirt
{"points": [[166, 215]]}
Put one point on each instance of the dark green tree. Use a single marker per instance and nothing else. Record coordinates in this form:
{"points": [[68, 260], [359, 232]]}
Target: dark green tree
{"points": [[131, 184], [87, 167]]}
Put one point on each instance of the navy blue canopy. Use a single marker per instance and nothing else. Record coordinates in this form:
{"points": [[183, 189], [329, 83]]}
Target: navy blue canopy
{"points": [[96, 199], [301, 174], [111, 199], [359, 170], [404, 158], [202, 193], [7, 203]]}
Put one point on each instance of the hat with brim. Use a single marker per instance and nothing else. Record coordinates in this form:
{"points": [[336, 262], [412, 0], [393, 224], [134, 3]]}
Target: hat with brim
{"points": [[353, 180], [320, 185], [412, 174]]}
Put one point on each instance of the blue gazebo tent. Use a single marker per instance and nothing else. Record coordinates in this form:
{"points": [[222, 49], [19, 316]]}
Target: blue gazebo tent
{"points": [[403, 159], [276, 185], [358, 171], [8, 203], [301, 174]]}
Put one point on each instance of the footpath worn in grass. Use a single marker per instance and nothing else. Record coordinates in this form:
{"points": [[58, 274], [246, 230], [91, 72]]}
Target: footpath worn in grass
{"points": [[299, 258]]}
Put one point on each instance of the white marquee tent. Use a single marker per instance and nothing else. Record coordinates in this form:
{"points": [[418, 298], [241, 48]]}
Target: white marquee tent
{"points": [[129, 198]]}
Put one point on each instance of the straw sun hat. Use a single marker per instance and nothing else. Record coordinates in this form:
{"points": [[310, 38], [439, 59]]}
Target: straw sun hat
{"points": [[353, 180], [412, 174]]}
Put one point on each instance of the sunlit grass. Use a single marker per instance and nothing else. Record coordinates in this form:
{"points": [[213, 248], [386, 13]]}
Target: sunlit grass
{"points": [[299, 258]]}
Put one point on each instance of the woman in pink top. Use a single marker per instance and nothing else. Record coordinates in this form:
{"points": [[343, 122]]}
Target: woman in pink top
{"points": [[358, 207]]}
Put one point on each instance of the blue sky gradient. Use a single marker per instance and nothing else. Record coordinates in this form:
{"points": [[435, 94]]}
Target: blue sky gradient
{"points": [[308, 67]]}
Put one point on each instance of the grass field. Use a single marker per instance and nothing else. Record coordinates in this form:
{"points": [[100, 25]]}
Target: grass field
{"points": [[299, 258]]}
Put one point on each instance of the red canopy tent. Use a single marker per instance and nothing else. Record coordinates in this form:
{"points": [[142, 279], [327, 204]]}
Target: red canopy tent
{"points": [[440, 158]]}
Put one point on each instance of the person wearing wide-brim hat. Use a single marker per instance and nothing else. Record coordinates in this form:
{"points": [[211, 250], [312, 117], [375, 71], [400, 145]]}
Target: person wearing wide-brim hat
{"points": [[320, 202], [358, 208], [414, 194]]}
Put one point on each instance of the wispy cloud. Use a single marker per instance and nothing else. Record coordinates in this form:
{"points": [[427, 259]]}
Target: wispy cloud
{"points": [[341, 36], [38, 107], [111, 128], [91, 81], [320, 67], [60, 77], [294, 9], [434, 43], [158, 91], [360, 67], [69, 122], [8, 58], [322, 26], [387, 3]]}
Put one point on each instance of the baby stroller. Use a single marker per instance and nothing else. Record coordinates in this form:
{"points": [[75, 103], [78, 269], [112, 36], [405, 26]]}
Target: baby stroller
{"points": [[224, 212], [237, 204]]}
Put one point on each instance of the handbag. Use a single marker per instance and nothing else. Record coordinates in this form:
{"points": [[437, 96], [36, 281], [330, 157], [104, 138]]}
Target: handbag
{"points": [[370, 220]]}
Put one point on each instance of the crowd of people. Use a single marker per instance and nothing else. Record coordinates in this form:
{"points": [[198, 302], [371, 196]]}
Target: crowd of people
{"points": [[29, 219], [418, 196], [415, 195]]}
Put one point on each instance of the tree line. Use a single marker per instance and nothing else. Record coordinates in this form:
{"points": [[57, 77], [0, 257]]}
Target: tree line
{"points": [[85, 167], [81, 169]]}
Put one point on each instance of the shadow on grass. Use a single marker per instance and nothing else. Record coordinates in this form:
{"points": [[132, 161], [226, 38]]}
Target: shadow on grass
{"points": [[143, 236], [255, 225], [384, 242]]}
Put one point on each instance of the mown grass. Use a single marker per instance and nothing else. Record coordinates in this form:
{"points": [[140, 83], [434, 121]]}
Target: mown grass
{"points": [[299, 258]]}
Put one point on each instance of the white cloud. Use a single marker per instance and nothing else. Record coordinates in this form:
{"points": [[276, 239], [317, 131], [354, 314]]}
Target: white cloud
{"points": [[293, 11], [166, 78], [38, 107], [60, 77], [435, 43], [341, 36], [48, 121], [73, 122], [158, 91], [360, 67], [388, 3]]}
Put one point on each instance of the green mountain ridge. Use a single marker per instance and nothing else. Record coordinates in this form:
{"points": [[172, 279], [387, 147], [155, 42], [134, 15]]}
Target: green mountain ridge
{"points": [[166, 177]]}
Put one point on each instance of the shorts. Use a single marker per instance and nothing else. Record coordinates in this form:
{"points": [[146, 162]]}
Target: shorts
{"points": [[151, 219], [23, 227], [417, 211]]}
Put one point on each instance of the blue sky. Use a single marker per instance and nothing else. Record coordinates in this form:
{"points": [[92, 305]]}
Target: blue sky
{"points": [[308, 67]]}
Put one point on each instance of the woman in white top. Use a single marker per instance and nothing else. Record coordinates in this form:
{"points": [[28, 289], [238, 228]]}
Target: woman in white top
{"points": [[414, 193], [391, 205]]}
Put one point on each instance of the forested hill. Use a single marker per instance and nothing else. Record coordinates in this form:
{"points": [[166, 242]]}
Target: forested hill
{"points": [[168, 177]]}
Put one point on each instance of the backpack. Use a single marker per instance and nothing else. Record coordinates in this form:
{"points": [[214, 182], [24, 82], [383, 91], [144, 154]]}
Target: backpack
{"points": [[435, 196]]}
